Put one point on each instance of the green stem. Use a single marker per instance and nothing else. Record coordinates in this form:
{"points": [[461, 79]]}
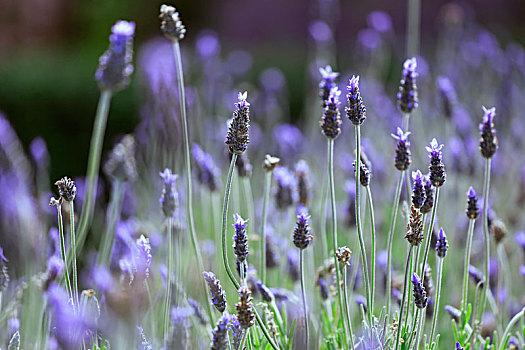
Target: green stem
{"points": [[167, 301], [399, 328], [511, 324], [95, 151], [305, 310], [63, 249], [428, 237], [347, 303], [189, 199], [364, 262], [390, 240], [334, 233], [415, 322], [438, 295], [73, 251], [504, 280], [413, 28], [262, 244], [112, 218], [373, 238], [467, 263], [486, 189], [224, 252], [409, 296]]}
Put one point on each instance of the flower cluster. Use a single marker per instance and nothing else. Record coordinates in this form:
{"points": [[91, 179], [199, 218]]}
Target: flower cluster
{"points": [[356, 110], [415, 227], [240, 238], [420, 295], [205, 168], [488, 143], [301, 234], [245, 308], [218, 296], [436, 167], [331, 121], [171, 25], [327, 83], [407, 96], [403, 156], [238, 138]]}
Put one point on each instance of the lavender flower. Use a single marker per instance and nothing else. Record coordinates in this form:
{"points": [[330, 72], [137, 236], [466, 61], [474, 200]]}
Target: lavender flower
{"points": [[407, 95], [360, 300], [448, 95], [55, 268], [116, 64], [520, 239], [403, 156], [218, 296], [237, 331], [323, 289], [454, 313], [436, 167], [415, 227], [270, 162], [143, 263], [301, 235], [285, 193], [197, 311], [13, 324], [365, 173], [66, 189], [498, 230], [441, 244], [171, 25], [418, 191], [4, 275], [266, 293], [458, 346], [205, 168], [475, 274], [237, 138], [240, 239], [429, 196], [488, 143], [245, 309], [170, 198], [331, 120], [472, 204], [121, 165], [356, 110], [220, 333], [327, 83], [344, 254], [292, 257], [303, 184], [272, 258], [420, 296]]}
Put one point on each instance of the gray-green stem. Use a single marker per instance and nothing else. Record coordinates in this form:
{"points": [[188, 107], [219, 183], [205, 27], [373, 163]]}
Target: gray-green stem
{"points": [[73, 252], [373, 238], [224, 252], [486, 189], [167, 301], [390, 240], [428, 236], [405, 285], [364, 262], [63, 249], [438, 295], [347, 307], [511, 324], [334, 233], [470, 233], [187, 161], [95, 151], [262, 241], [303, 292], [112, 218]]}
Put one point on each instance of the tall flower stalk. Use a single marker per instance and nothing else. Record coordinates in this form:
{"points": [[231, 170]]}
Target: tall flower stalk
{"points": [[174, 30], [356, 112], [472, 213], [269, 164], [441, 252], [488, 146]]}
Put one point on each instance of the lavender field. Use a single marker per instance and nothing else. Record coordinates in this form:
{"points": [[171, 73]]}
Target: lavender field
{"points": [[387, 212]]}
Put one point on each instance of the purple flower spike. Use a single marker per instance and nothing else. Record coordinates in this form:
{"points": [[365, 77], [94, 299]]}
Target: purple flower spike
{"points": [[326, 84], [472, 204], [220, 333], [441, 244], [458, 346], [429, 196], [356, 110], [115, 65], [407, 99], [488, 143], [448, 95], [520, 239], [436, 167], [171, 25], [285, 192], [218, 296], [144, 256], [475, 274], [206, 169], [303, 184], [169, 199], [240, 239], [403, 157], [420, 296], [55, 268], [331, 120], [238, 137], [418, 190], [302, 234]]}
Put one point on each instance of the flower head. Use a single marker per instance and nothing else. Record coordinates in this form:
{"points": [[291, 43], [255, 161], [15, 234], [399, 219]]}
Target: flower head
{"points": [[116, 64], [143, 261], [302, 233], [403, 156], [356, 110], [418, 190], [171, 24], [331, 120], [240, 238], [407, 99], [429, 196], [415, 227], [245, 308], [328, 77], [488, 143], [303, 184], [441, 244], [420, 296], [344, 255], [220, 333], [472, 204], [66, 189], [238, 138], [218, 296], [121, 164], [205, 168], [436, 167], [270, 162], [169, 199], [286, 189]]}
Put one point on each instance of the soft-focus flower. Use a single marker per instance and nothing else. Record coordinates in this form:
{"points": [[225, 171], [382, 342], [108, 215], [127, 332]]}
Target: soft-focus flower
{"points": [[240, 238], [420, 296], [285, 191], [303, 184], [356, 110], [331, 120], [218, 296], [403, 156], [169, 199], [327, 82], [407, 96], [488, 143], [205, 168], [121, 164], [429, 196]]}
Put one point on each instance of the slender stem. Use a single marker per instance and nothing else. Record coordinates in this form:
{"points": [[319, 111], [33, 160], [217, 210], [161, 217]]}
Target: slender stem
{"points": [[224, 252], [486, 189], [305, 310], [419, 331], [364, 262], [438, 295], [113, 214], [414, 16], [243, 339], [334, 233], [262, 244], [470, 233], [73, 251], [429, 233], [399, 328], [95, 150], [347, 303], [166, 326], [390, 239], [409, 296], [63, 249], [373, 238], [511, 324], [189, 199], [415, 321]]}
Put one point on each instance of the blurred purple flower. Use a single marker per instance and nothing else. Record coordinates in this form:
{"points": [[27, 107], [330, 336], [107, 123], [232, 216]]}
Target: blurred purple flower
{"points": [[207, 44], [285, 190], [369, 39], [320, 31], [380, 21], [272, 79], [289, 140]]}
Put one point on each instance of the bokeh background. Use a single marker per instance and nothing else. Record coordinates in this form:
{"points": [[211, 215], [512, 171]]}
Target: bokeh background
{"points": [[49, 51]]}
